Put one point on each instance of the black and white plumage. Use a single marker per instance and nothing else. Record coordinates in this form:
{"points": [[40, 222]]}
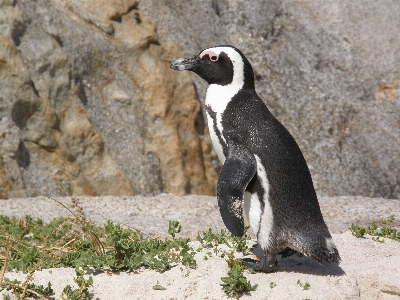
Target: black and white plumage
{"points": [[262, 164]]}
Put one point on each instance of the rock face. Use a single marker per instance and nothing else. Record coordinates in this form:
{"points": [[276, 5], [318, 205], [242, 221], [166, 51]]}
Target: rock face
{"points": [[88, 104], [329, 71]]}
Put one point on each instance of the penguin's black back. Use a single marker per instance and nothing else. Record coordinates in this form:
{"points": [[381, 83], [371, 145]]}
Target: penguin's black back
{"points": [[291, 192]]}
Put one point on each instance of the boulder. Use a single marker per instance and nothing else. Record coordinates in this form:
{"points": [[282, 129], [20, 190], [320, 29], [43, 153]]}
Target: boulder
{"points": [[329, 71], [90, 106]]}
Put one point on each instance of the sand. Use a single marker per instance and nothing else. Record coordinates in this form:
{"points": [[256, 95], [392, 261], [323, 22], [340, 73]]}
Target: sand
{"points": [[369, 269]]}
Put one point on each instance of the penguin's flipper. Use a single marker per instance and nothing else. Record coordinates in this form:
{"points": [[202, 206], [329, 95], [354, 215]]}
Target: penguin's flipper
{"points": [[239, 168]]}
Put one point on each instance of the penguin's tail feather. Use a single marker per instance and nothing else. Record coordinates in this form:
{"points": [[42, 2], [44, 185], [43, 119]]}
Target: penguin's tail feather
{"points": [[324, 251]]}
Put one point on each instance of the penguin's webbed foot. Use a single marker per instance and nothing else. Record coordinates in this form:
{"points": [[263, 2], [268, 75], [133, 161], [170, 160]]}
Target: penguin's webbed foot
{"points": [[256, 265], [265, 264]]}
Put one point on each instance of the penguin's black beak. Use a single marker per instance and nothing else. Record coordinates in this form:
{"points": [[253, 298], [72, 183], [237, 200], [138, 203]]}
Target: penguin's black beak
{"points": [[189, 63]]}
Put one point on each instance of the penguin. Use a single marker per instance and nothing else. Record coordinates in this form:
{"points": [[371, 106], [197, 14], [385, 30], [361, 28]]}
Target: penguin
{"points": [[264, 175]]}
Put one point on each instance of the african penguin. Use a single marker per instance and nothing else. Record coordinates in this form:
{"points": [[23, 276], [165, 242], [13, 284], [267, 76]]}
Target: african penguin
{"points": [[264, 172]]}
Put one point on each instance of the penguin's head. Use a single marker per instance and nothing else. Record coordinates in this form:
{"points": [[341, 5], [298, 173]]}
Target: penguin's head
{"points": [[222, 65]]}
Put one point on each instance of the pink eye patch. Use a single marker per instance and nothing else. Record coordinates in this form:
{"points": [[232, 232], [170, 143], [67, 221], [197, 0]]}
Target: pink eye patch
{"points": [[213, 56]]}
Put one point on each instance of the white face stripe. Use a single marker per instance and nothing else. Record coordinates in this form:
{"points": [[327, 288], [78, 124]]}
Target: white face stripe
{"points": [[218, 96], [267, 217], [210, 53]]}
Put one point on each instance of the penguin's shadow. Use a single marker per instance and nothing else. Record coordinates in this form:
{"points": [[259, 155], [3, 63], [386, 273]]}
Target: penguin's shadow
{"points": [[306, 265]]}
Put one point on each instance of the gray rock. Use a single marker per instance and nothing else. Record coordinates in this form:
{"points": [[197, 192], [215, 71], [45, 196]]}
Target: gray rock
{"points": [[90, 106], [86, 89], [329, 71]]}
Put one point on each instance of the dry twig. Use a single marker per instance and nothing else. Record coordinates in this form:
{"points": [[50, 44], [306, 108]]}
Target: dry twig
{"points": [[3, 270], [16, 286], [80, 217]]}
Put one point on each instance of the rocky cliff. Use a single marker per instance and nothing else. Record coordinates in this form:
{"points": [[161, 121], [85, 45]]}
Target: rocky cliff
{"points": [[88, 104], [328, 70]]}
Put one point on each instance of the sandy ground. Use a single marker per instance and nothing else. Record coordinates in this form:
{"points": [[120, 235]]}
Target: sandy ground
{"points": [[369, 270]]}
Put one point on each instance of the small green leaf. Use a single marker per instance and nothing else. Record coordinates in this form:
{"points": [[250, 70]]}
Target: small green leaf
{"points": [[158, 287], [306, 286], [174, 228]]}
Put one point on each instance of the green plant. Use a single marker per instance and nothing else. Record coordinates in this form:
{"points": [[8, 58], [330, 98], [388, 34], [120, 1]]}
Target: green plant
{"points": [[158, 287], [82, 292], [32, 244], [174, 228], [102, 246], [132, 250], [357, 230], [272, 284], [385, 231], [22, 290], [210, 239], [60, 243], [6, 297], [236, 284], [306, 286]]}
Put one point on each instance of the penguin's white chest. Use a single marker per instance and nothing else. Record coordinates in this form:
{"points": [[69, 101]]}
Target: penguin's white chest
{"points": [[217, 99], [260, 218], [215, 140]]}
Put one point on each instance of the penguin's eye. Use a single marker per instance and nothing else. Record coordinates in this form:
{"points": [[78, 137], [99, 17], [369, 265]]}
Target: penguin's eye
{"points": [[213, 58]]}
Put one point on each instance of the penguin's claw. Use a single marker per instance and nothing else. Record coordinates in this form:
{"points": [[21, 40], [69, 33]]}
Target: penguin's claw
{"points": [[264, 265]]}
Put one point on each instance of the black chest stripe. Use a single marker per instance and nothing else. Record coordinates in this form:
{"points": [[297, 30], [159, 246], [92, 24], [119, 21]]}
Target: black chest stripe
{"points": [[213, 116]]}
